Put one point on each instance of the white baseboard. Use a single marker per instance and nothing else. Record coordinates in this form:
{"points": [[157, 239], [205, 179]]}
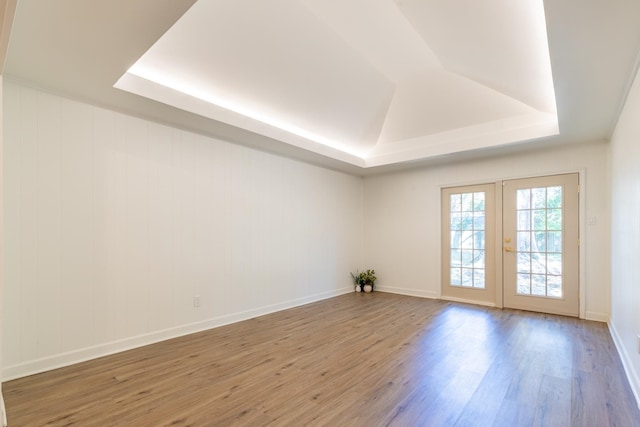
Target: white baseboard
{"points": [[468, 301], [430, 295], [595, 316], [408, 292], [632, 375], [589, 315], [81, 355]]}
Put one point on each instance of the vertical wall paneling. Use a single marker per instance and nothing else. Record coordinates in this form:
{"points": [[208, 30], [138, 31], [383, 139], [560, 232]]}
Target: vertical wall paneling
{"points": [[161, 232], [114, 224], [49, 225], [218, 253], [155, 239], [117, 236], [28, 223], [237, 226], [188, 227], [202, 236], [277, 240], [137, 229], [104, 178], [178, 253], [77, 223], [11, 295], [625, 236]]}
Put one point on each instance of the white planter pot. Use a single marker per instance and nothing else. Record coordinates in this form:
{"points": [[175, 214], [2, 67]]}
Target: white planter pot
{"points": [[368, 288], [358, 289]]}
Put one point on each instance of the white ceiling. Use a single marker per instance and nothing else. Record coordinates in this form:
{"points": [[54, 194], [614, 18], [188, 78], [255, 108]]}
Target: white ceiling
{"points": [[356, 84], [375, 81]]}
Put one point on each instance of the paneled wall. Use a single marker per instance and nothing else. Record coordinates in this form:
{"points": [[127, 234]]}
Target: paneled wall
{"points": [[625, 236], [402, 217], [116, 227]]}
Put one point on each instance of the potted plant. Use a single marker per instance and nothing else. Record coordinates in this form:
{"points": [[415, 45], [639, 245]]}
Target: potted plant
{"points": [[364, 280]]}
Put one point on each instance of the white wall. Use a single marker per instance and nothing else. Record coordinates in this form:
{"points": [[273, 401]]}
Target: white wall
{"points": [[402, 217], [625, 236], [114, 224]]}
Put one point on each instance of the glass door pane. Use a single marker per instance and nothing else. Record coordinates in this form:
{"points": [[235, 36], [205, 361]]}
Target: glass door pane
{"points": [[468, 243], [539, 223]]}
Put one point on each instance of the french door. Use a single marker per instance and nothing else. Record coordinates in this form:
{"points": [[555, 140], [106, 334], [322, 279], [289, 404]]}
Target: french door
{"points": [[469, 243], [540, 243], [534, 227]]}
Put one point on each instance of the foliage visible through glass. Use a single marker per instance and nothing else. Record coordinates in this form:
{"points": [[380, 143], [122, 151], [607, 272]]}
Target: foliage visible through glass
{"points": [[467, 229], [539, 241]]}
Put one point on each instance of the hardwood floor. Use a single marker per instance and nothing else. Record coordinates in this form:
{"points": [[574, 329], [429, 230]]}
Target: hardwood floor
{"points": [[356, 360]]}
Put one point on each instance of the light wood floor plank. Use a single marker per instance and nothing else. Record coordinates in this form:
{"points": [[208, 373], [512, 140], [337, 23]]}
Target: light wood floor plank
{"points": [[355, 360]]}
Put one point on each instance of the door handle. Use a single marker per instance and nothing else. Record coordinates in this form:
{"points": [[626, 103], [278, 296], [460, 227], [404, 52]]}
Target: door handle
{"points": [[508, 249]]}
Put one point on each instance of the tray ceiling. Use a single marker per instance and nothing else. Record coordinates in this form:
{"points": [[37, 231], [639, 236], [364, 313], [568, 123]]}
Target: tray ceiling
{"points": [[368, 82], [358, 86]]}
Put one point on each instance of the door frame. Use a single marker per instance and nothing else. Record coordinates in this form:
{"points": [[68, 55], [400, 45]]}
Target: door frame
{"points": [[499, 301]]}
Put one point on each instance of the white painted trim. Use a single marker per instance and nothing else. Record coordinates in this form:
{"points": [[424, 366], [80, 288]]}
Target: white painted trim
{"points": [[88, 353], [439, 254], [408, 292], [431, 295], [595, 316], [499, 253], [632, 375], [582, 249], [469, 301], [498, 179]]}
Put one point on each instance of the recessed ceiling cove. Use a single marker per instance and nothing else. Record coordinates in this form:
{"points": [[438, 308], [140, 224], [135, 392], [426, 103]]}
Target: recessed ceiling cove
{"points": [[368, 82]]}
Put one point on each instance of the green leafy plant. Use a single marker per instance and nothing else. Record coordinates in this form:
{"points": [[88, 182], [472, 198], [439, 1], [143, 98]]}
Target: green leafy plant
{"points": [[362, 278]]}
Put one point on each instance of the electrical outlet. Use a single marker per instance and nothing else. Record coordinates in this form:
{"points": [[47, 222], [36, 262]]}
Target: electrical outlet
{"points": [[196, 301]]}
